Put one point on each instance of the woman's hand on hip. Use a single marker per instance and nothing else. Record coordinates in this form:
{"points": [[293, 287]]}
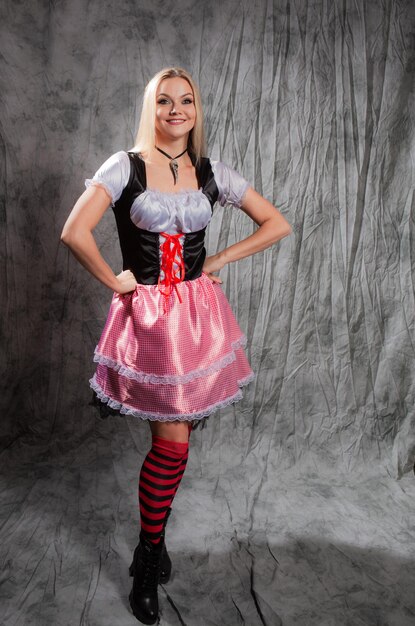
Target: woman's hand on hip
{"points": [[213, 264], [126, 281]]}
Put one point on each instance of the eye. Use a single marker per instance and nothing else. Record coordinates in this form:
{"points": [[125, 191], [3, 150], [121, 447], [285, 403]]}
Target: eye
{"points": [[162, 101], [187, 101]]}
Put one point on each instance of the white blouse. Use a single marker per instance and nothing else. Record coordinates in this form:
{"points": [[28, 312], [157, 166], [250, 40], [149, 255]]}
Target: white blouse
{"points": [[183, 211]]}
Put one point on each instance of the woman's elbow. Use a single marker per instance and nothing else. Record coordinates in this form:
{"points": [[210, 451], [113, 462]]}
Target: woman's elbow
{"points": [[283, 229], [287, 230], [66, 236], [70, 235]]}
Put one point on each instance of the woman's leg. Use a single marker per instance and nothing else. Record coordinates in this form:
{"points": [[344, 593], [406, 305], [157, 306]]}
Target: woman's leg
{"points": [[175, 431], [160, 475]]}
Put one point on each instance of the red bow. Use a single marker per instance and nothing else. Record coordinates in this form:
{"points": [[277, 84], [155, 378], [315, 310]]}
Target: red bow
{"points": [[171, 253]]}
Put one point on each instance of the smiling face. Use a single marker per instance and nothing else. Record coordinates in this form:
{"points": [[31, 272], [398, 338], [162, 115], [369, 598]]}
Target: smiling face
{"points": [[175, 108]]}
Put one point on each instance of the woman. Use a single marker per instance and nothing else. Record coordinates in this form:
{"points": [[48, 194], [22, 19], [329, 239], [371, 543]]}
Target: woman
{"points": [[171, 351]]}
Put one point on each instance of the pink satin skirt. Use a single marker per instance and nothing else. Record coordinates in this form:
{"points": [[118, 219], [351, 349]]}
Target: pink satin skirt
{"points": [[171, 360]]}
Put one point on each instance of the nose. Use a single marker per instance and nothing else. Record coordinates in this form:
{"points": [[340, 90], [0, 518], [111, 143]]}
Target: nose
{"points": [[173, 109]]}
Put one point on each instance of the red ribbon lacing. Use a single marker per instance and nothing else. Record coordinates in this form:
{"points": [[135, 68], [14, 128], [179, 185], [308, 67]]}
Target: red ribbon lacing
{"points": [[171, 255]]}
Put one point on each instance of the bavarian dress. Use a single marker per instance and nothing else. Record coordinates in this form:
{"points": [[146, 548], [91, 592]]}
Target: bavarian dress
{"points": [[162, 358]]}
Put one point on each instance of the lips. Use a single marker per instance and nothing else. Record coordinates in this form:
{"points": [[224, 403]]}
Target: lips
{"points": [[175, 121]]}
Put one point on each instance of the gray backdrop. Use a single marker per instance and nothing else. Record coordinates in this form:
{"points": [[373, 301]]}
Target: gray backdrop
{"points": [[290, 511]]}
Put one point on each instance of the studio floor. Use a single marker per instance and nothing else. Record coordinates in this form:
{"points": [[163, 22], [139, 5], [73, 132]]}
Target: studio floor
{"points": [[282, 546]]}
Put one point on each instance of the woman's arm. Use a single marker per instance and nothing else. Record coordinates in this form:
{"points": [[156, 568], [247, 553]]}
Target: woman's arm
{"points": [[77, 235], [272, 227]]}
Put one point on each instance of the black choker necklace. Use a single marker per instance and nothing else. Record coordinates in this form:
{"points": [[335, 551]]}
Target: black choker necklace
{"points": [[174, 166]]}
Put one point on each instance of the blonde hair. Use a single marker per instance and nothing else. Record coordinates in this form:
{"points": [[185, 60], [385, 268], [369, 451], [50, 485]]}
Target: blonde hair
{"points": [[146, 134]]}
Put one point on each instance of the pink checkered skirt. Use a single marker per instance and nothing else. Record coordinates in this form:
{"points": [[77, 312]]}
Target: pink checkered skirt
{"points": [[171, 360]]}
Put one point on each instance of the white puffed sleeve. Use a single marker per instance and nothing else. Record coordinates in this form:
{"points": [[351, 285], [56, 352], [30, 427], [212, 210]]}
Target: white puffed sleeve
{"points": [[113, 175], [231, 185]]}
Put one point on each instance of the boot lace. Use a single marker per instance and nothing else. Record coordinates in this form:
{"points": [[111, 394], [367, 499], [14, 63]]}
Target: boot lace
{"points": [[150, 569]]}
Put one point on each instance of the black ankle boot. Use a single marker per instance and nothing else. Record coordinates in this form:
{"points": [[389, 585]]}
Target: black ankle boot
{"points": [[165, 561], [146, 571]]}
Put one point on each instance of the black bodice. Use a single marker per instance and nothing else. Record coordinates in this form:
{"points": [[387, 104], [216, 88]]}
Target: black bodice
{"points": [[140, 248]]}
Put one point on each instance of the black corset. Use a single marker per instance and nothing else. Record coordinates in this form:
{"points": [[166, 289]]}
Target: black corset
{"points": [[140, 248]]}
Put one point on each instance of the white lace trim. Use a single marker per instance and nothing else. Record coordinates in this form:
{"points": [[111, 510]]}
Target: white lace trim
{"points": [[168, 379], [100, 183], [124, 409]]}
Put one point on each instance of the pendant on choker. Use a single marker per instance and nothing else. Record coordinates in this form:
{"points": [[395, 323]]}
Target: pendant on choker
{"points": [[174, 166]]}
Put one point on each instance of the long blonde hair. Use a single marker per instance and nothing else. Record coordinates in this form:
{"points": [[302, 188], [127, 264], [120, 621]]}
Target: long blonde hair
{"points": [[146, 134]]}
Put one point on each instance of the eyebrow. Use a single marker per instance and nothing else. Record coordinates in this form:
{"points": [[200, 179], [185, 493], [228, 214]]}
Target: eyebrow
{"points": [[185, 94]]}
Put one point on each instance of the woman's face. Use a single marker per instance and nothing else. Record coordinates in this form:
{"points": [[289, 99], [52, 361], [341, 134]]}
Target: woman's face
{"points": [[175, 108]]}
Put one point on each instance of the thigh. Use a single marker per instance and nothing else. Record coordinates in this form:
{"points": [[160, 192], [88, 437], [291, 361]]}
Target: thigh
{"points": [[174, 431]]}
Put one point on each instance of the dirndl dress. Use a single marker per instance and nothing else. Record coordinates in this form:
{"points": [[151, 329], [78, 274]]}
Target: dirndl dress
{"points": [[171, 349]]}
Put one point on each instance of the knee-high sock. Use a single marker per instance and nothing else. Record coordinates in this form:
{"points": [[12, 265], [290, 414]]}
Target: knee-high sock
{"points": [[183, 463], [160, 477]]}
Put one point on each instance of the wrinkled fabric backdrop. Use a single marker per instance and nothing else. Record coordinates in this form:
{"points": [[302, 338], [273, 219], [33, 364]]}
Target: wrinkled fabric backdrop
{"points": [[297, 503]]}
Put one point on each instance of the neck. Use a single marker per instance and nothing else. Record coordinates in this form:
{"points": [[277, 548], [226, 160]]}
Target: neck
{"points": [[172, 147]]}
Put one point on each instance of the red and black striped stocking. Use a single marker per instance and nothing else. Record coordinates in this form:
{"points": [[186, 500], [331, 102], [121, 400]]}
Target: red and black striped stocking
{"points": [[160, 477]]}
